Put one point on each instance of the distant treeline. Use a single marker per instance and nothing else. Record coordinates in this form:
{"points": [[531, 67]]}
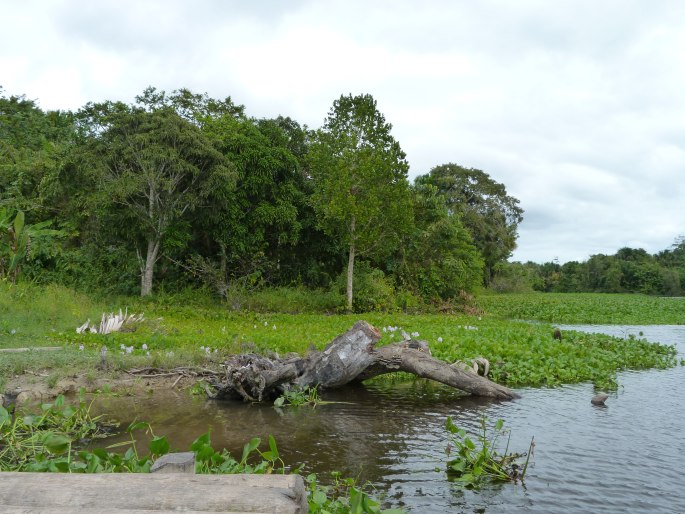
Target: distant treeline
{"points": [[629, 270], [183, 190]]}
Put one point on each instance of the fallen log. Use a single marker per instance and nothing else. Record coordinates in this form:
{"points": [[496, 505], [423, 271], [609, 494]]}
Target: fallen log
{"points": [[350, 357]]}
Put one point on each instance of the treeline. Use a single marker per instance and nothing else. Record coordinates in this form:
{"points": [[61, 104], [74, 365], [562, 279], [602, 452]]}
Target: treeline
{"points": [[629, 270], [183, 190]]}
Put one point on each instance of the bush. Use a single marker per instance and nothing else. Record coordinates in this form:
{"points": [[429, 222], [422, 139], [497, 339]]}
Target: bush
{"points": [[373, 291]]}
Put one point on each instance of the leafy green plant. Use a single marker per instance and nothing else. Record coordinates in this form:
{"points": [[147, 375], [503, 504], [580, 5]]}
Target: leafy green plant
{"points": [[473, 463], [29, 442], [343, 496], [298, 397]]}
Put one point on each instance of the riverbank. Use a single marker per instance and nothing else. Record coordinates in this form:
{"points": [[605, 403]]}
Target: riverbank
{"points": [[180, 334]]}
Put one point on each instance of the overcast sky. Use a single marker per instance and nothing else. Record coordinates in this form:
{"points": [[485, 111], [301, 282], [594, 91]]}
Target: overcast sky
{"points": [[577, 106]]}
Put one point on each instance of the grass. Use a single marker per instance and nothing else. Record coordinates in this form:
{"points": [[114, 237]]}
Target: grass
{"points": [[187, 330]]}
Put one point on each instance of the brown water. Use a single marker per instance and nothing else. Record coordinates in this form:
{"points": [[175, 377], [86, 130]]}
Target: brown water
{"points": [[626, 457]]}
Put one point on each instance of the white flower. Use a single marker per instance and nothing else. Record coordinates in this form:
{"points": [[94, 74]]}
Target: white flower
{"points": [[13, 331], [274, 327], [147, 353], [254, 326], [385, 329], [169, 354], [266, 323], [129, 349], [215, 350], [122, 346], [415, 334], [202, 348], [144, 347], [81, 347], [439, 339]]}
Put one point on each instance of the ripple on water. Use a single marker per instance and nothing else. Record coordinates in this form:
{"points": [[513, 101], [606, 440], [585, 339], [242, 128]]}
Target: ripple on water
{"points": [[625, 457]]}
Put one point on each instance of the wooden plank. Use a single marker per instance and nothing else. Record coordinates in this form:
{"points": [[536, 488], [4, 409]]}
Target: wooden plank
{"points": [[33, 349], [144, 492]]}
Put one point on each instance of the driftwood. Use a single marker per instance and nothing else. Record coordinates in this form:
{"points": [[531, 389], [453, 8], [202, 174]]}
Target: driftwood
{"points": [[350, 357]]}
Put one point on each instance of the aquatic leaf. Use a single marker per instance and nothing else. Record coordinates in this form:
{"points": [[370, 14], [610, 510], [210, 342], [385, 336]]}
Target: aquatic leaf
{"points": [[4, 416], [278, 402], [200, 442], [273, 447], [138, 425], [249, 448], [159, 446], [56, 443], [499, 424], [319, 497]]}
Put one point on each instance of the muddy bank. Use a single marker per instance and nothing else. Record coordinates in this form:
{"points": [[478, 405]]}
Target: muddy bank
{"points": [[29, 388]]}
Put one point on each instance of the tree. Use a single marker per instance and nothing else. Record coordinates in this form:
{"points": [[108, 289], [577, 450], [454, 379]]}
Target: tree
{"points": [[439, 259], [359, 172], [156, 167], [16, 238], [490, 215]]}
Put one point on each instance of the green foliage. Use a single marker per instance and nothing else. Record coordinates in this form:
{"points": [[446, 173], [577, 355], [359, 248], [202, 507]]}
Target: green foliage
{"points": [[630, 270], [586, 308], [359, 172], [49, 442], [519, 353], [343, 496], [485, 209], [474, 463], [16, 238], [299, 397], [373, 290], [35, 442]]}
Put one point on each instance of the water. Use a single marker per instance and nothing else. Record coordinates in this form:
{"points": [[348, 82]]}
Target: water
{"points": [[625, 457]]}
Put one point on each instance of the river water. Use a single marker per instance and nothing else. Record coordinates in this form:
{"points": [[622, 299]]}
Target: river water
{"points": [[625, 457]]}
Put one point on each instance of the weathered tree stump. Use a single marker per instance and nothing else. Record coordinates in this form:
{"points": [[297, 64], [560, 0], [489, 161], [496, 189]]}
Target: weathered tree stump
{"points": [[350, 357]]}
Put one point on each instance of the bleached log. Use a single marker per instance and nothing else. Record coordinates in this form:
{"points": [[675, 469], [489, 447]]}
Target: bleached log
{"points": [[350, 357]]}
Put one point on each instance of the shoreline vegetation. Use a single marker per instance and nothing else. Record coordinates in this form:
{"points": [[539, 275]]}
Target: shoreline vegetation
{"points": [[192, 332], [178, 338]]}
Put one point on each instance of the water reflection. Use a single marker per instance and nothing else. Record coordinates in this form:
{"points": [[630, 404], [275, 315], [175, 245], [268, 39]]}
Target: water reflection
{"points": [[625, 457]]}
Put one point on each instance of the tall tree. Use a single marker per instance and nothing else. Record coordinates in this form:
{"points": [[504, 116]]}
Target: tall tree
{"points": [[157, 167], [487, 211], [359, 171], [438, 259]]}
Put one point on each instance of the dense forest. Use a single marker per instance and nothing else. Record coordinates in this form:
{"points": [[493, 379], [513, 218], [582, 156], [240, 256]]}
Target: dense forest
{"points": [[629, 270], [181, 190]]}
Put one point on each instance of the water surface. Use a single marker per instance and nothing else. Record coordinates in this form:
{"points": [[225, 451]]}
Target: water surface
{"points": [[625, 457]]}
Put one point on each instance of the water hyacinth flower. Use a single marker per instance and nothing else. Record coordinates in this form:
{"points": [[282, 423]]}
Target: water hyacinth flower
{"points": [[144, 347], [129, 349], [81, 347]]}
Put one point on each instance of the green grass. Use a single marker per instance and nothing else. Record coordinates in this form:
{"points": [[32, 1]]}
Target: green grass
{"points": [[629, 309], [178, 332]]}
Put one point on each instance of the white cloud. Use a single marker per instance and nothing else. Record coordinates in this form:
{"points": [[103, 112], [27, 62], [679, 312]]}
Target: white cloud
{"points": [[576, 106]]}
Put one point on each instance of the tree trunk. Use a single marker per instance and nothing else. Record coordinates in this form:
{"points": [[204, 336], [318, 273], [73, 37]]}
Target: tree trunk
{"points": [[149, 268], [350, 357], [350, 266], [350, 278]]}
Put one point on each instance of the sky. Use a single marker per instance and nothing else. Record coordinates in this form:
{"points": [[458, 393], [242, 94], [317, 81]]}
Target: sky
{"points": [[576, 106]]}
